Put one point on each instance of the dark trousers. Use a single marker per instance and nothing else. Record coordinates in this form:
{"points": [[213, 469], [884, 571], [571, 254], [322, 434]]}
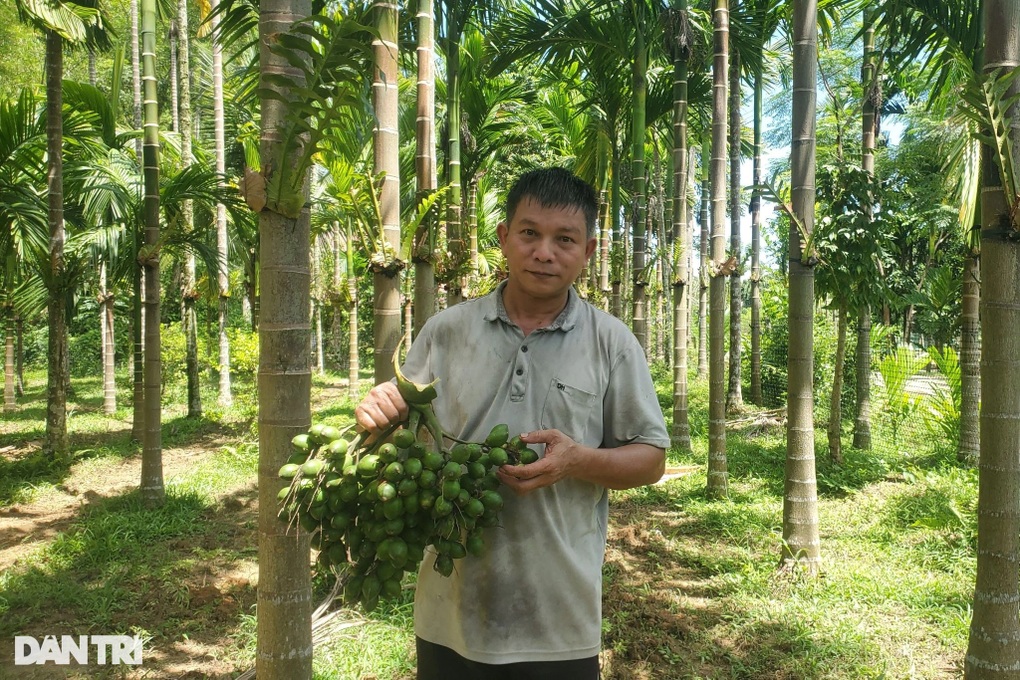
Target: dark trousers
{"points": [[436, 662]]}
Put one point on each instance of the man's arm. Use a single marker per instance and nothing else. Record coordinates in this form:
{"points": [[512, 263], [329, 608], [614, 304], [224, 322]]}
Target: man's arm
{"points": [[623, 467]]}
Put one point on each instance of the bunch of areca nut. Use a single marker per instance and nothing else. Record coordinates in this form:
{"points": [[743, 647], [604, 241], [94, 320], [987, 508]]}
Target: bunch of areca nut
{"points": [[374, 504]]}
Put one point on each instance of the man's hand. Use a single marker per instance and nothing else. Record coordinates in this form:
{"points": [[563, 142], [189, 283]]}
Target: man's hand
{"points": [[562, 456], [380, 408]]}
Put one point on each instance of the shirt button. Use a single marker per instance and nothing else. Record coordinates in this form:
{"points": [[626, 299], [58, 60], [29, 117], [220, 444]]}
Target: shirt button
{"points": [[520, 371], [524, 348]]}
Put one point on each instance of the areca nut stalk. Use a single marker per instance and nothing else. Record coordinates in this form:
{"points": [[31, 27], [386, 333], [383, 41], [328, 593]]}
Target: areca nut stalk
{"points": [[284, 631], [801, 546], [718, 475], [734, 396], [994, 646], [222, 243]]}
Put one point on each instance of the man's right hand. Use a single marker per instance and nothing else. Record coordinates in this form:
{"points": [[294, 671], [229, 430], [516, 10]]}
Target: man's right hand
{"points": [[380, 408]]}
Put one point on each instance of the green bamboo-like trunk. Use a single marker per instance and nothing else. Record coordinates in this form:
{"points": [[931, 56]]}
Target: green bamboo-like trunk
{"points": [[835, 429], [718, 475], [386, 278], [425, 166], [969, 449], [152, 488], [756, 395], [801, 544], [454, 228], [616, 250], [56, 376], [703, 263], [106, 333], [637, 164], [869, 124], [10, 403], [862, 358], [681, 433], [353, 358], [226, 397], [993, 651], [284, 635], [734, 394], [189, 293], [137, 355]]}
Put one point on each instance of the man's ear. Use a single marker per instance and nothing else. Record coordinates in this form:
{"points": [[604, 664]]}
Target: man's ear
{"points": [[590, 247], [501, 233]]}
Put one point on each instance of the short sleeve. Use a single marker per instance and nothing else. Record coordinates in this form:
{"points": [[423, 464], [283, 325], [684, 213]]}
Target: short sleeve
{"points": [[417, 366], [631, 411]]}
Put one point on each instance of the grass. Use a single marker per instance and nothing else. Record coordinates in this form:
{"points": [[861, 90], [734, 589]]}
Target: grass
{"points": [[691, 584]]}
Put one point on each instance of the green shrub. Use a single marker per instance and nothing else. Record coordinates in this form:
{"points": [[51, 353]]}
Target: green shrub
{"points": [[244, 351]]}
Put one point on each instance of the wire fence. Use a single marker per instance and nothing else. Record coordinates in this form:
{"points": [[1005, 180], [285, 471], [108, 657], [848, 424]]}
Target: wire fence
{"points": [[913, 392]]}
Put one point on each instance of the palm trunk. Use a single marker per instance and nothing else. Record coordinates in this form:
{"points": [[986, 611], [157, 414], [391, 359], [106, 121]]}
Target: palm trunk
{"points": [[616, 258], [862, 359], [137, 344], [454, 228], [175, 117], [800, 507], [353, 362], [425, 167], [106, 327], [152, 488], [639, 322], [756, 395], [604, 231], [20, 355], [703, 263], [316, 300], [136, 78], [56, 383], [226, 397], [869, 123], [994, 646], [189, 294], [386, 278], [472, 223], [835, 429], [718, 475], [969, 449], [10, 404], [734, 396], [680, 436], [284, 636]]}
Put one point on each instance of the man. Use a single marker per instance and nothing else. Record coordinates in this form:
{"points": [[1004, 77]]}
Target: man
{"points": [[575, 382]]}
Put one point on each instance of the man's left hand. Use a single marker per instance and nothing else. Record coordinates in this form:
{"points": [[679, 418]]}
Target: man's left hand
{"points": [[562, 455]]}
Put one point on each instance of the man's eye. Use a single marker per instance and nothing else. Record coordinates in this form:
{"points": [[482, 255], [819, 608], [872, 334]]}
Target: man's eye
{"points": [[566, 239]]}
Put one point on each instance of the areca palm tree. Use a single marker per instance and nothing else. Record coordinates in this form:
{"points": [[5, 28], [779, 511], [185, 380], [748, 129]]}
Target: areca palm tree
{"points": [[426, 180], [717, 469], [386, 271], [23, 226], [284, 644], [994, 645], [800, 507], [73, 22]]}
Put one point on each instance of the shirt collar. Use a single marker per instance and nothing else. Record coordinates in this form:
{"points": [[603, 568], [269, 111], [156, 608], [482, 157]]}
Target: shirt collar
{"points": [[566, 320]]}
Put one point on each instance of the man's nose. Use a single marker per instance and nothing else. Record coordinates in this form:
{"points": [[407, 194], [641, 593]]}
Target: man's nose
{"points": [[543, 250]]}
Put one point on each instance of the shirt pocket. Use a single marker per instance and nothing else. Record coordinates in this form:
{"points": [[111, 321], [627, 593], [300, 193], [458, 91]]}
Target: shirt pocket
{"points": [[569, 409]]}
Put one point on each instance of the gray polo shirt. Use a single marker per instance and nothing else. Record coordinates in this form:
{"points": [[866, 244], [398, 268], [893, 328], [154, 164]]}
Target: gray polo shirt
{"points": [[536, 594]]}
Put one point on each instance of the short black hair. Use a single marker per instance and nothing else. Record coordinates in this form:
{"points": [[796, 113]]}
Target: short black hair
{"points": [[555, 188]]}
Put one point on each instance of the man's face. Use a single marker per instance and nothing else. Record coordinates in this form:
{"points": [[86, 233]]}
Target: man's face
{"points": [[545, 248]]}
